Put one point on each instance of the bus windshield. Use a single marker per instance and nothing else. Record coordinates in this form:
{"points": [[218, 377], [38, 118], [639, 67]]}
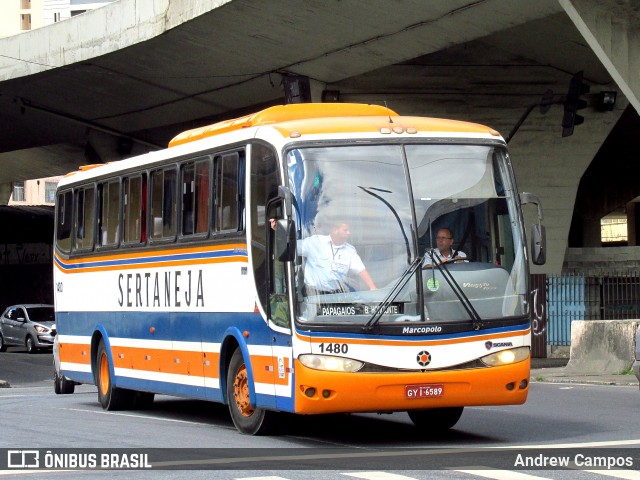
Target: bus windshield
{"points": [[406, 233]]}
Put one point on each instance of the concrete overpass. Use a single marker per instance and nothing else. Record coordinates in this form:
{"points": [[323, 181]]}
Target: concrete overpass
{"points": [[125, 78]]}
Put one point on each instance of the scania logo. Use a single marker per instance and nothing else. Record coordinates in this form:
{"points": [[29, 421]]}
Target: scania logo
{"points": [[489, 344], [423, 358]]}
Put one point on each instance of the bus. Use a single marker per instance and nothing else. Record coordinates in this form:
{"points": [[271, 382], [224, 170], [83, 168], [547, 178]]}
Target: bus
{"points": [[182, 271]]}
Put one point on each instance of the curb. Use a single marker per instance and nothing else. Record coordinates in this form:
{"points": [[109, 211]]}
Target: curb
{"points": [[583, 381]]}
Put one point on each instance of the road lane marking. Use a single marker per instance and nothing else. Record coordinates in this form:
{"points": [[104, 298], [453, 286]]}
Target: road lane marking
{"points": [[624, 474], [378, 476], [272, 477], [497, 474], [133, 415]]}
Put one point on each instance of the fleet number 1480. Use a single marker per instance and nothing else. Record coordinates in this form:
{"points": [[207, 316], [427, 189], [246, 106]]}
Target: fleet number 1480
{"points": [[342, 348]]}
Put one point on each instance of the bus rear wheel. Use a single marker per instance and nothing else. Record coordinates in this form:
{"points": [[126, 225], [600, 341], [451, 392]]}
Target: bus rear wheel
{"points": [[436, 419], [110, 397], [246, 418]]}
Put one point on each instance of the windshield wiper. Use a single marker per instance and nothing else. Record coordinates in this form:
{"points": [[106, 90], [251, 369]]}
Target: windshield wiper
{"points": [[455, 286], [393, 293]]}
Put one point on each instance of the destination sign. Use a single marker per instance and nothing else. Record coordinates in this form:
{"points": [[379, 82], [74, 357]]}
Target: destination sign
{"points": [[346, 309]]}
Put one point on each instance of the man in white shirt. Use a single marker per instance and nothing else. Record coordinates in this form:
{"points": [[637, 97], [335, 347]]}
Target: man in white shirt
{"points": [[329, 260], [444, 253]]}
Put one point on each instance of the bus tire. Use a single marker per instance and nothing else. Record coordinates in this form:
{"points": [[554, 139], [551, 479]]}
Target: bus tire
{"points": [[436, 419], [110, 397], [61, 384], [247, 419]]}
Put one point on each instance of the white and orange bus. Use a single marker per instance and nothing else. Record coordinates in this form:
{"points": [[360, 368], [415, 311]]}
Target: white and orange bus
{"points": [[180, 272]]}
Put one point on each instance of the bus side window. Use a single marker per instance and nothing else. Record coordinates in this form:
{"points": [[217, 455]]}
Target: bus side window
{"points": [[109, 213], [227, 191], [85, 218], [188, 187], [195, 197], [163, 204], [134, 211], [64, 216], [201, 199]]}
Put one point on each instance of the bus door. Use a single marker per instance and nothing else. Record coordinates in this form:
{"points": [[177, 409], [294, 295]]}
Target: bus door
{"points": [[278, 311]]}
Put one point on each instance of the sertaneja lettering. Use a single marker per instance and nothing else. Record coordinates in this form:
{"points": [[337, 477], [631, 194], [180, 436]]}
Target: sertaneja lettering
{"points": [[135, 289]]}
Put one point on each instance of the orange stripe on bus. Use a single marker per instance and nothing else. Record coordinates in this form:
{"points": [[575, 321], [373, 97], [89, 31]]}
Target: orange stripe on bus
{"points": [[265, 370], [75, 353]]}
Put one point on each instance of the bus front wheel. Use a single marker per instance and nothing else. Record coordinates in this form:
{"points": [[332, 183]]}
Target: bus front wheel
{"points": [[246, 418], [111, 398], [436, 419]]}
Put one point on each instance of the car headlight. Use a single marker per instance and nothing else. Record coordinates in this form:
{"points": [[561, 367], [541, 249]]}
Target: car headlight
{"points": [[41, 329], [330, 363], [506, 357]]}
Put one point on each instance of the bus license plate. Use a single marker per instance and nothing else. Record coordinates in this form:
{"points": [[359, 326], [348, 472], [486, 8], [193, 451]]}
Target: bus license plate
{"points": [[424, 391]]}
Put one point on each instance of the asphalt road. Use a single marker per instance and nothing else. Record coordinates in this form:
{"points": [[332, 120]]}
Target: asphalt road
{"points": [[558, 417], [20, 368]]}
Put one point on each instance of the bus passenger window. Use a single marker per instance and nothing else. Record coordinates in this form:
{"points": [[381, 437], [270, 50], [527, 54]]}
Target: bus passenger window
{"points": [[227, 194], [188, 190], [195, 197], [201, 197], [64, 208], [163, 203], [84, 221], [133, 211], [109, 213]]}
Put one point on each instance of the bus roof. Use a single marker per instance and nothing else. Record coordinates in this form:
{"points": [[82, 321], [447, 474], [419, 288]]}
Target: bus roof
{"points": [[300, 120], [318, 118]]}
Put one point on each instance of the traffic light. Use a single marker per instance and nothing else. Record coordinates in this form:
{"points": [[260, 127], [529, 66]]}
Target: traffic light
{"points": [[573, 103]]}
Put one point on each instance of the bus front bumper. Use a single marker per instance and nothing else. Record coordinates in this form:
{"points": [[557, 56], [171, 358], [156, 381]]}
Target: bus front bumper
{"points": [[331, 392]]}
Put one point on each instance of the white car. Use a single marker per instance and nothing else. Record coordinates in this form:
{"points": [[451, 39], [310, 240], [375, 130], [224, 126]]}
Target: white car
{"points": [[27, 325]]}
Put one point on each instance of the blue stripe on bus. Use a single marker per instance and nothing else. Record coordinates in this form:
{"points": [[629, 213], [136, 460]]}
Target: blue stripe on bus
{"points": [[176, 326]]}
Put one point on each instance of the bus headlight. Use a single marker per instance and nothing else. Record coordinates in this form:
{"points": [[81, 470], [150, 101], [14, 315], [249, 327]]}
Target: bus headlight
{"points": [[330, 363], [506, 357]]}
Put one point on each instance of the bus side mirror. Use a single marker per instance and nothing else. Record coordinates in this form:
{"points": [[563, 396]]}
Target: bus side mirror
{"points": [[538, 232], [538, 244], [285, 240]]}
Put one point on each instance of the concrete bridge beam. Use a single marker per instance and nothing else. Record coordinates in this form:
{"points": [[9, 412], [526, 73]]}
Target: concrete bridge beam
{"points": [[611, 30]]}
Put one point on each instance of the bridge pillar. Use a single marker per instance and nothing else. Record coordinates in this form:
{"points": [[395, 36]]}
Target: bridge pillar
{"points": [[5, 192]]}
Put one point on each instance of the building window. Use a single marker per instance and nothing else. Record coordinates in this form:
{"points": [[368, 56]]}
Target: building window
{"points": [[50, 192], [25, 21], [613, 229], [56, 17], [18, 191], [25, 4]]}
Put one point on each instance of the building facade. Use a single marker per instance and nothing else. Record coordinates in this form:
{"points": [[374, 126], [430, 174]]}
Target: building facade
{"points": [[35, 192], [17, 16]]}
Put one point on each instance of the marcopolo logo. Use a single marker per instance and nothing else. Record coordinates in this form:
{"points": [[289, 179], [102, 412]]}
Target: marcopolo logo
{"points": [[489, 344]]}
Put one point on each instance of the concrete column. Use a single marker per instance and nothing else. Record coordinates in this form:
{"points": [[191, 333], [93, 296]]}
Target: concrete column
{"points": [[633, 223], [5, 192], [611, 29]]}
